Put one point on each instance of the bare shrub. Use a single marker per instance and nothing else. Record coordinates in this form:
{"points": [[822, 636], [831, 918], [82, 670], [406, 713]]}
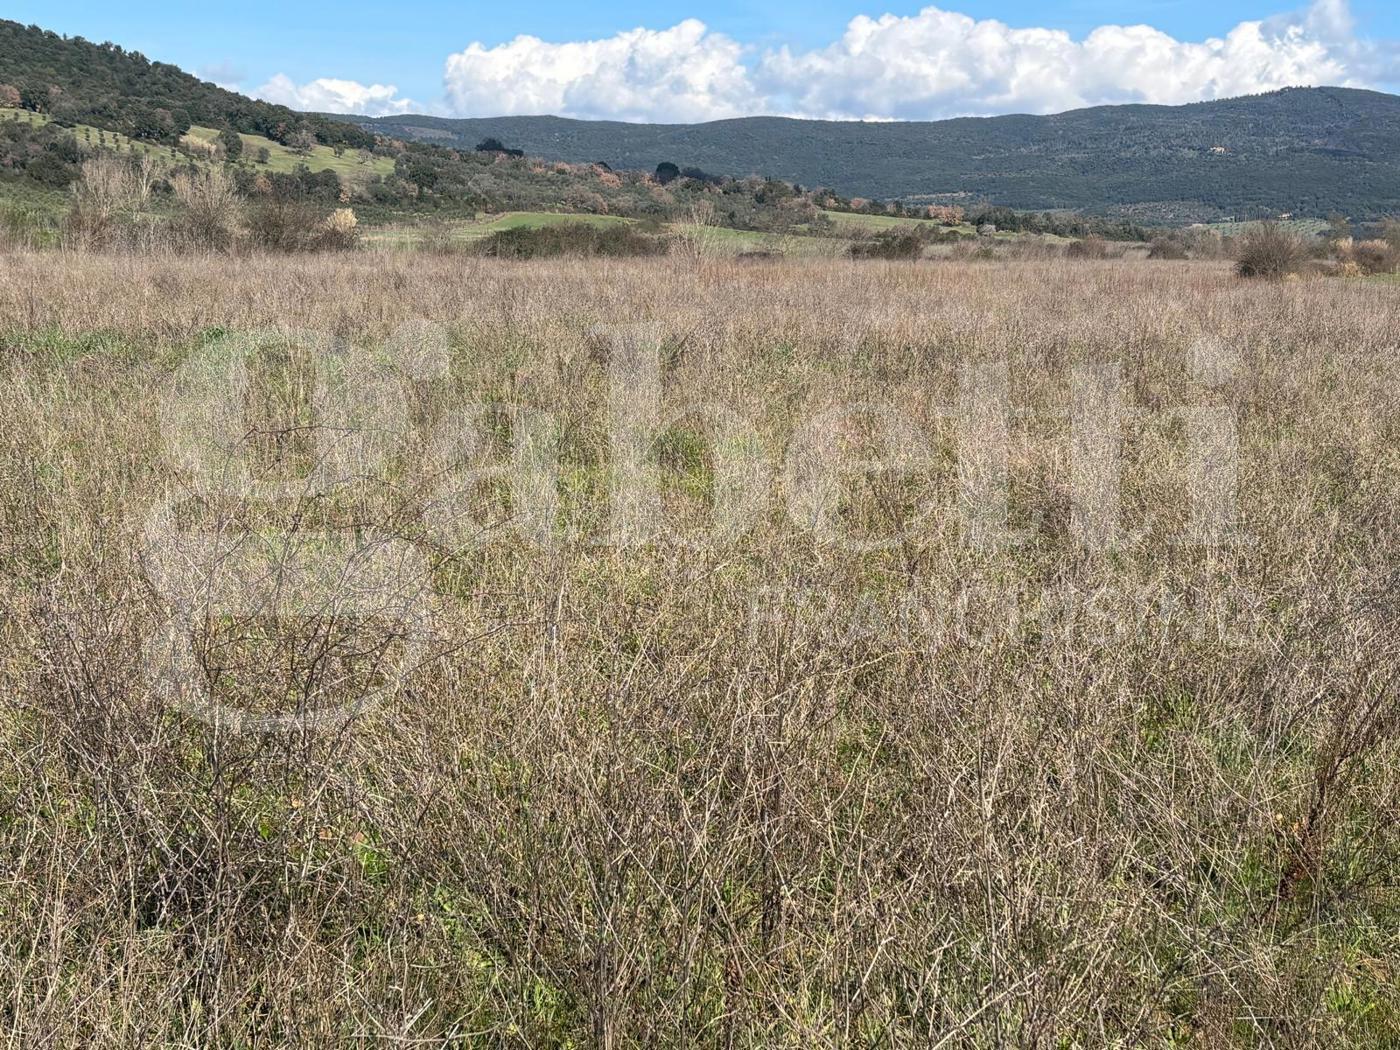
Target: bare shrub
{"points": [[1028, 249], [1167, 248], [1268, 250], [1390, 233], [982, 249], [1092, 247], [1204, 243], [280, 224], [339, 231], [146, 172], [104, 198], [437, 238], [696, 240], [208, 151], [891, 244], [211, 210], [579, 239], [1366, 257], [285, 224]]}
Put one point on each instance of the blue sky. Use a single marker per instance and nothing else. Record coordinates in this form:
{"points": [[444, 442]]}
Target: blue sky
{"points": [[805, 58]]}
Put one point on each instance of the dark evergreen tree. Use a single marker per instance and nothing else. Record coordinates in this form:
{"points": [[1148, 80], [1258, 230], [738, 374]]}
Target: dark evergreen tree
{"points": [[232, 143]]}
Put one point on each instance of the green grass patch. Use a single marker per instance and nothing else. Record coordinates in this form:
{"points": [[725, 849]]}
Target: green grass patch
{"points": [[29, 213], [350, 165], [877, 223], [465, 232], [534, 220]]}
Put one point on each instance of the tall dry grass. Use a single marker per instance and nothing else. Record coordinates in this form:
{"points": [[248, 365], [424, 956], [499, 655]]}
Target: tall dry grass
{"points": [[769, 792]]}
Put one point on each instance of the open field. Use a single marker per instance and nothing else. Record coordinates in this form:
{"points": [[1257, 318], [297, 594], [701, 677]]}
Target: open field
{"points": [[350, 165], [721, 241], [867, 224], [1008, 659], [466, 231]]}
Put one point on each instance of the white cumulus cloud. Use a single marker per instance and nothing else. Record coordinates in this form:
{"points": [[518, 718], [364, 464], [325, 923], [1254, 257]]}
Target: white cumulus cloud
{"points": [[685, 73], [939, 63], [329, 95], [932, 64]]}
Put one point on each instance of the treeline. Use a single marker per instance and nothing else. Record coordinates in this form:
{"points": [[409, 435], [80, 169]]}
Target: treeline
{"points": [[74, 81], [1060, 224], [981, 216]]}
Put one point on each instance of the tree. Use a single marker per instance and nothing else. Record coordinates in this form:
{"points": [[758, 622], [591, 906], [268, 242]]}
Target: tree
{"points": [[232, 143], [302, 141], [418, 171], [667, 172], [34, 96], [700, 175], [495, 145], [264, 155], [9, 96]]}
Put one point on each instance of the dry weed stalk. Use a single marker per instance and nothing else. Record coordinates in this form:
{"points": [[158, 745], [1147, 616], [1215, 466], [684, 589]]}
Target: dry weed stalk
{"points": [[775, 792]]}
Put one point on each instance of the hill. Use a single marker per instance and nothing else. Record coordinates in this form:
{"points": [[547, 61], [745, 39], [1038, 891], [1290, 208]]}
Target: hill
{"points": [[1309, 151], [65, 101], [74, 81]]}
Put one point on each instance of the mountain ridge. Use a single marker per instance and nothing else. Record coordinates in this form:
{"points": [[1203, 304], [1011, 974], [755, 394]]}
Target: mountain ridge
{"points": [[1298, 150]]}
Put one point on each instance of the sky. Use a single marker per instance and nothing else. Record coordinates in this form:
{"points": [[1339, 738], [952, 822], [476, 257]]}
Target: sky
{"points": [[833, 59]]}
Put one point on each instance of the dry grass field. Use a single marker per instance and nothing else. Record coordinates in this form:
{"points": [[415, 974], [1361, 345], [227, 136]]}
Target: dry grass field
{"points": [[751, 727]]}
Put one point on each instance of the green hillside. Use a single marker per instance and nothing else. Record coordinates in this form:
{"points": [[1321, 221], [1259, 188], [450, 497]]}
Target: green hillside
{"points": [[76, 81], [349, 165], [198, 144], [1305, 151]]}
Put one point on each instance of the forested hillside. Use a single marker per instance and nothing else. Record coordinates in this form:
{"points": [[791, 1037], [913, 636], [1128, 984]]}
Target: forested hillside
{"points": [[1305, 151], [75, 81]]}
